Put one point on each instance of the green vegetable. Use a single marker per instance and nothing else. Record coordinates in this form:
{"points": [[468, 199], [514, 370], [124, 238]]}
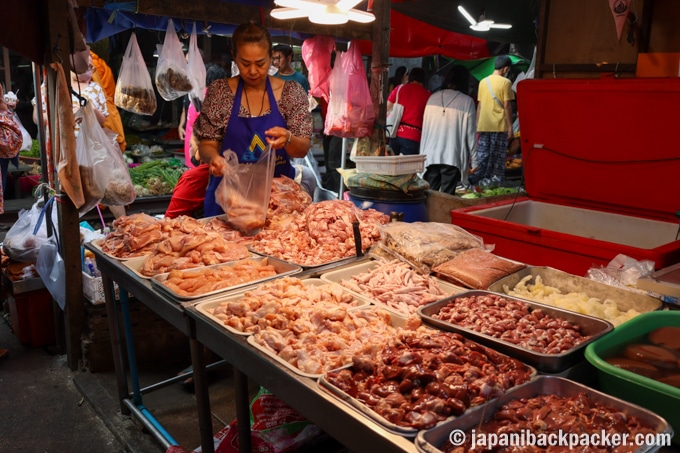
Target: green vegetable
{"points": [[157, 175], [33, 152]]}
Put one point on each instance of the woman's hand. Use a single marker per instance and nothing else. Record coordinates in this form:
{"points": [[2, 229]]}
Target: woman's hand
{"points": [[217, 165], [278, 137]]}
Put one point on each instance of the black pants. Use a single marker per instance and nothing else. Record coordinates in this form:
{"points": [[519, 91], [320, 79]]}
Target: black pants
{"points": [[443, 177]]}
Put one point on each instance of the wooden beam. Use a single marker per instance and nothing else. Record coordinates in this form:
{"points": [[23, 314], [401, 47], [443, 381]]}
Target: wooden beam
{"points": [[543, 15], [645, 23]]}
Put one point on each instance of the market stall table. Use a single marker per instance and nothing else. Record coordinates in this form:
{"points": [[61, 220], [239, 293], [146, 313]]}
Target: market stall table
{"points": [[303, 394], [121, 336]]}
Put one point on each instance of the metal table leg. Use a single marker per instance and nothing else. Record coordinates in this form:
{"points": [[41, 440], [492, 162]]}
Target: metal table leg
{"points": [[116, 342], [202, 396], [242, 410]]}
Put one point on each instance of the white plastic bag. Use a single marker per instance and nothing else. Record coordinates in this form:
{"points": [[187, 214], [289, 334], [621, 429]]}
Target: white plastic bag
{"points": [[134, 89], [173, 78], [93, 158], [52, 271], [21, 243], [394, 116], [197, 71]]}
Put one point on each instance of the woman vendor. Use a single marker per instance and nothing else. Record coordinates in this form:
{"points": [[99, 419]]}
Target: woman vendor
{"points": [[247, 112]]}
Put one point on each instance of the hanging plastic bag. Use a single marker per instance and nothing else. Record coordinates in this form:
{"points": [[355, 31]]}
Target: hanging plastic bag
{"points": [[134, 89], [21, 243], [120, 190], [197, 71], [10, 136], [93, 158], [350, 111], [316, 53], [49, 264], [173, 78], [245, 190]]}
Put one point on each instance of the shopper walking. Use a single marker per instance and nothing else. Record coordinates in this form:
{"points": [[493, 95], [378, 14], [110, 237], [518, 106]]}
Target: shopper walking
{"points": [[494, 122], [413, 96], [449, 133]]}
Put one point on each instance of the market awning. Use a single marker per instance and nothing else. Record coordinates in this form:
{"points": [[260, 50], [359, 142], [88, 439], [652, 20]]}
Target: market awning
{"points": [[411, 38]]}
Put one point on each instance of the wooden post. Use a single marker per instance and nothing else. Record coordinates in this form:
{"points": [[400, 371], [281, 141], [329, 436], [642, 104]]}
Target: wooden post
{"points": [[56, 17], [379, 65]]}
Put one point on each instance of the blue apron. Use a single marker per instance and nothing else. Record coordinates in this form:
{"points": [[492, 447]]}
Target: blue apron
{"points": [[245, 136]]}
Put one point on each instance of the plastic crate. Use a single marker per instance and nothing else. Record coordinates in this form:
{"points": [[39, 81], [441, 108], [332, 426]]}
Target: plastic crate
{"points": [[390, 165], [653, 395], [93, 289]]}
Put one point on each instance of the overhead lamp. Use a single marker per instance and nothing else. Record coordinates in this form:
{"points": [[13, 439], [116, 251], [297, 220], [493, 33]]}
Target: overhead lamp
{"points": [[325, 12]]}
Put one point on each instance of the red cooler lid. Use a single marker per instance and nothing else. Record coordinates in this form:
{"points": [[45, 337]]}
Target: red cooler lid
{"points": [[605, 144]]}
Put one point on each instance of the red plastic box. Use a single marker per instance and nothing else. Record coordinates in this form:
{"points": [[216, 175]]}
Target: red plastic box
{"points": [[32, 317], [602, 174]]}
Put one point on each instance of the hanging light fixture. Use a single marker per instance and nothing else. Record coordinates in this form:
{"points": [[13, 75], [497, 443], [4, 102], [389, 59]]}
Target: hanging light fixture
{"points": [[326, 12]]}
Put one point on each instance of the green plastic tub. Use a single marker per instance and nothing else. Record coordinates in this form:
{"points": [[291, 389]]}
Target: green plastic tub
{"points": [[660, 398]]}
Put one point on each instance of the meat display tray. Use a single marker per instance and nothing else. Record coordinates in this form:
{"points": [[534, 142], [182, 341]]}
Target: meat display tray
{"points": [[338, 262], [430, 441], [346, 274], [568, 283], [382, 421], [396, 321], [549, 363], [97, 243], [282, 269], [205, 307], [136, 264]]}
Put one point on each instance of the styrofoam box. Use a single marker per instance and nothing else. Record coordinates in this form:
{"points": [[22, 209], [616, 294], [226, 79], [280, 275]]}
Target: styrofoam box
{"points": [[390, 165], [93, 289]]}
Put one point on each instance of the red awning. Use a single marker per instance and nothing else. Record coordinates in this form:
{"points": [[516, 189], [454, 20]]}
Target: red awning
{"points": [[411, 38]]}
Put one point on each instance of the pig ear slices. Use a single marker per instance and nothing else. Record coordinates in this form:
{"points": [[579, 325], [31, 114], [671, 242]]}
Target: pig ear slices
{"points": [[666, 336], [476, 268]]}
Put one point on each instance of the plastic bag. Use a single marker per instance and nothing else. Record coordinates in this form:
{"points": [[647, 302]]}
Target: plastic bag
{"points": [[197, 70], [49, 264], [275, 428], [316, 53], [245, 190], [350, 110], [425, 245], [120, 190], [93, 158], [134, 89], [173, 78], [20, 243], [10, 136]]}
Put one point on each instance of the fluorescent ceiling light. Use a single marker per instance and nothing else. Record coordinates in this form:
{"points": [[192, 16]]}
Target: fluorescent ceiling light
{"points": [[288, 13], [325, 12]]}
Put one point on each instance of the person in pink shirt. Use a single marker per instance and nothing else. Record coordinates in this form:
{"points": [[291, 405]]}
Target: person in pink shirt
{"points": [[413, 96]]}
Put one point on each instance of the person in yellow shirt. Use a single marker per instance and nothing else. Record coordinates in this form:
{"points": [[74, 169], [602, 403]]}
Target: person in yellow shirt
{"points": [[494, 122], [104, 77]]}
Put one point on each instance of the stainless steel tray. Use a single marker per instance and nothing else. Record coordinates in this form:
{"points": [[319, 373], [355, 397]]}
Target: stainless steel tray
{"points": [[395, 321], [206, 307], [430, 441], [306, 267], [26, 285], [282, 269], [97, 243], [346, 274], [568, 283], [389, 426], [549, 363]]}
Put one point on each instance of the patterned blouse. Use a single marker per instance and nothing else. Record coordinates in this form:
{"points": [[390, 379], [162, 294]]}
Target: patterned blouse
{"points": [[219, 101]]}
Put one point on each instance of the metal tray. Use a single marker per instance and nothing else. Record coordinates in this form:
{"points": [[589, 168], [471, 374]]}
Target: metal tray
{"points": [[396, 322], [26, 285], [205, 307], [282, 269], [568, 283], [136, 264], [429, 441], [306, 267], [345, 274], [97, 243], [382, 421], [549, 363]]}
